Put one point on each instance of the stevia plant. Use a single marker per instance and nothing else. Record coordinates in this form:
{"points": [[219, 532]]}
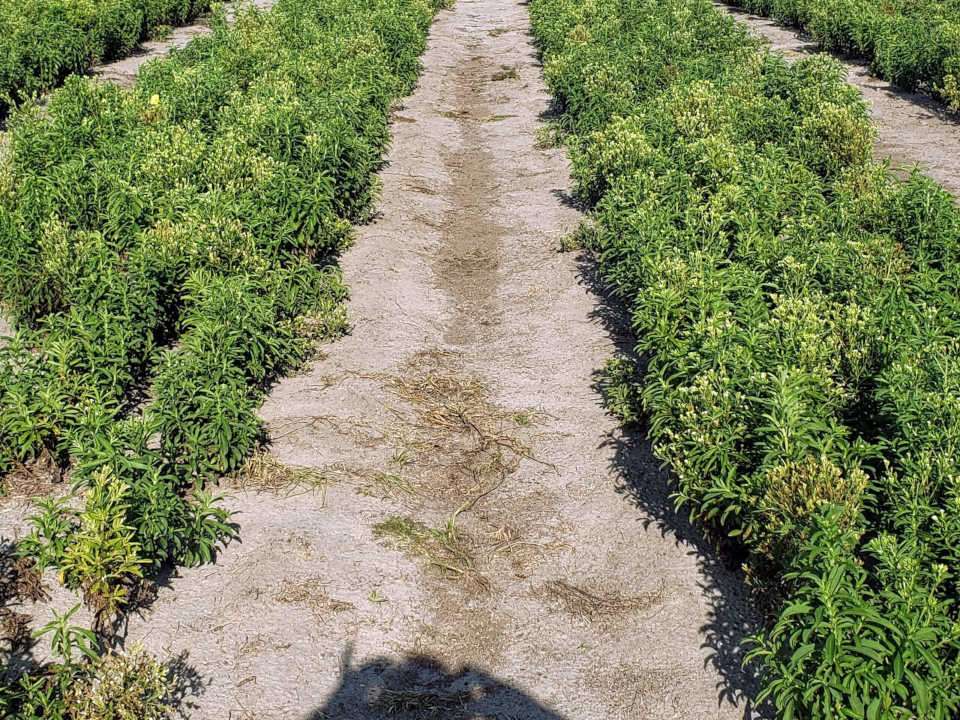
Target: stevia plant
{"points": [[168, 253], [83, 684], [794, 308], [43, 41], [915, 45]]}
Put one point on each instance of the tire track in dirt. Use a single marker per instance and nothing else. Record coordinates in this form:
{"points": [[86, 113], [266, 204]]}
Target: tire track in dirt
{"points": [[468, 262], [912, 128], [485, 541]]}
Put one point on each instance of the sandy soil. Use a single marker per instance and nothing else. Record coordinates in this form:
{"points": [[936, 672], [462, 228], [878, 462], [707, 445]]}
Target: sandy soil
{"points": [[912, 129], [484, 541]]}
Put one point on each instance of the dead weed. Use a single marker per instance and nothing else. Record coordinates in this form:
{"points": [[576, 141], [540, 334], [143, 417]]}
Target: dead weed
{"points": [[19, 577], [505, 73], [313, 594], [454, 449], [264, 472], [455, 419], [36, 478], [14, 630], [595, 606], [447, 549], [423, 704]]}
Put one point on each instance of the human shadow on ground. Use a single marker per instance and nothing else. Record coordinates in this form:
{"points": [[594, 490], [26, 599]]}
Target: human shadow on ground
{"points": [[732, 615], [420, 687]]}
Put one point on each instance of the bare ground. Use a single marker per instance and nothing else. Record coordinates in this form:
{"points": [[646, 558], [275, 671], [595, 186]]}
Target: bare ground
{"points": [[481, 540], [912, 129]]}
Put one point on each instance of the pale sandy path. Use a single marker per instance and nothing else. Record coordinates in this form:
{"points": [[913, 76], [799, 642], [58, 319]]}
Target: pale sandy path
{"points": [[912, 129], [558, 583]]}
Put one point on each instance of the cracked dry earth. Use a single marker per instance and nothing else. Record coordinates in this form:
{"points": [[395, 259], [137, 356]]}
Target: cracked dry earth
{"points": [[486, 543]]}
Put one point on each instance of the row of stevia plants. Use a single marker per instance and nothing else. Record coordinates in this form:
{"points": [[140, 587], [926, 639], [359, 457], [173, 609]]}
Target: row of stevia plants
{"points": [[167, 252], [797, 315], [43, 41], [914, 44]]}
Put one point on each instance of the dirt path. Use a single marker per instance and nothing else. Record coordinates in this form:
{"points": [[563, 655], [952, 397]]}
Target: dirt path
{"points": [[912, 129], [486, 543]]}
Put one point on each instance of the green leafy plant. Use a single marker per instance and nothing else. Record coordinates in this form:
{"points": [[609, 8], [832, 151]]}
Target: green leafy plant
{"points": [[52, 532], [620, 388], [841, 649], [208, 525], [114, 686], [793, 306], [43, 41], [102, 558], [123, 686], [169, 252], [69, 642], [912, 44], [186, 257]]}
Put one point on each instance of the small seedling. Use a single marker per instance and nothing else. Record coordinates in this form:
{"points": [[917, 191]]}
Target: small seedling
{"points": [[69, 641], [523, 419]]}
